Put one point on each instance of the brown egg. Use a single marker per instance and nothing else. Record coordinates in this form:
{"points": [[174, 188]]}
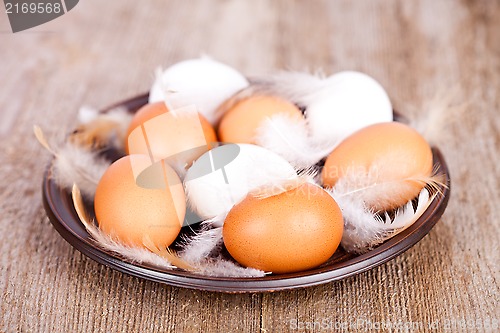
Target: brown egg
{"points": [[154, 129], [293, 231], [240, 123], [386, 157], [133, 213]]}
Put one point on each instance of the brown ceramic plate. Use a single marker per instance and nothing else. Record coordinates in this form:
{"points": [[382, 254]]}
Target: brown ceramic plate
{"points": [[59, 207]]}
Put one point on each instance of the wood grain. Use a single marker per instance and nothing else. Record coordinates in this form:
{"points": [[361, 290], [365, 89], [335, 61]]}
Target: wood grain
{"points": [[104, 51]]}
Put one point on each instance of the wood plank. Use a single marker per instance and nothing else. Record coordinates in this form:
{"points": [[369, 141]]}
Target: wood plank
{"points": [[103, 51]]}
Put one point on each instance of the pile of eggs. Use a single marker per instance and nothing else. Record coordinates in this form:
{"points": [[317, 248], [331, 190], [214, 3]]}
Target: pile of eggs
{"points": [[184, 154]]}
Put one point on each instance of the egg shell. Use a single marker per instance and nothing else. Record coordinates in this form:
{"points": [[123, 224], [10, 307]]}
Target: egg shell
{"points": [[389, 152], [224, 175], [350, 101], [203, 82], [290, 232], [240, 123], [132, 213], [164, 134]]}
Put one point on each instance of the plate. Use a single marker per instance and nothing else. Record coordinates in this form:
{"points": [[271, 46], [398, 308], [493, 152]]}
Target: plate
{"points": [[59, 207]]}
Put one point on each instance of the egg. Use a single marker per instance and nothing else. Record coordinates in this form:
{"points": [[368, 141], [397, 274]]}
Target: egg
{"points": [[240, 123], [349, 101], [290, 232], [223, 176], [182, 136], [203, 82], [132, 212], [387, 162]]}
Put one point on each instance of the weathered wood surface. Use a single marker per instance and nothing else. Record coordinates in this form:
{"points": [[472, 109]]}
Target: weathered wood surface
{"points": [[104, 51]]}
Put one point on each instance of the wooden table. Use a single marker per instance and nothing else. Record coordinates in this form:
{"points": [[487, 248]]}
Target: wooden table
{"points": [[104, 51]]}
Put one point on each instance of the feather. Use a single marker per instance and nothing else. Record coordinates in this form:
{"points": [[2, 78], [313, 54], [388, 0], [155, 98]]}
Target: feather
{"points": [[235, 99], [194, 260], [287, 137], [220, 267], [279, 186], [74, 165], [87, 114], [434, 118], [167, 254], [100, 130], [297, 87], [406, 215], [131, 254], [291, 140], [41, 138], [203, 250], [364, 230], [360, 194], [378, 190], [197, 248], [76, 195], [205, 241]]}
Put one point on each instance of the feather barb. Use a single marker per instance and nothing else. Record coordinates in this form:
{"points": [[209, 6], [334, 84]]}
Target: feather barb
{"points": [[42, 140]]}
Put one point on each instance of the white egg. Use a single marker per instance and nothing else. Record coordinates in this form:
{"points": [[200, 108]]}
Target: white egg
{"points": [[349, 102], [203, 82], [224, 176]]}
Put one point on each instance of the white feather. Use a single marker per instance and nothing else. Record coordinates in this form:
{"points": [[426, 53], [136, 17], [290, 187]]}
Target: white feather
{"points": [[120, 116], [199, 262], [132, 254], [434, 118], [379, 189], [407, 213], [74, 165], [104, 241], [217, 221], [364, 230], [290, 138], [87, 114], [279, 186], [198, 247], [220, 267], [102, 129], [204, 265], [297, 87], [203, 251]]}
